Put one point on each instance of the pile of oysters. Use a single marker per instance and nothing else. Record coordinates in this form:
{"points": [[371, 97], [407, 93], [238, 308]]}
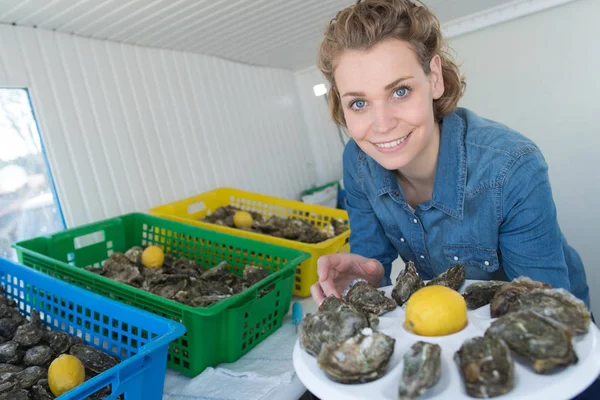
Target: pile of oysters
{"points": [[287, 228], [532, 320], [27, 348], [182, 280]]}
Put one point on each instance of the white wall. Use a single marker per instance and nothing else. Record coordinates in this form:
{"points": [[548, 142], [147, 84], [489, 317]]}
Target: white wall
{"points": [[322, 132], [127, 128], [539, 75]]}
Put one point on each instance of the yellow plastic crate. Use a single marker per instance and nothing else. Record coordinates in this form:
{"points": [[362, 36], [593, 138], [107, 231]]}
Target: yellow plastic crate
{"points": [[193, 209]]}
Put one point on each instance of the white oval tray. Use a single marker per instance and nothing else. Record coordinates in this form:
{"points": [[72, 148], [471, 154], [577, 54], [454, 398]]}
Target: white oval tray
{"points": [[563, 384]]}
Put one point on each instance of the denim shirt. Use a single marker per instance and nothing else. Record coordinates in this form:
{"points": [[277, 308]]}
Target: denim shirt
{"points": [[491, 210]]}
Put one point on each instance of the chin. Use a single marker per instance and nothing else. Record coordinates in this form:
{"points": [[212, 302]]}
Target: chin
{"points": [[392, 163]]}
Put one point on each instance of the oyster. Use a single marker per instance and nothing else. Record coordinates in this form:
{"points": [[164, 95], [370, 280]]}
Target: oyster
{"points": [[486, 366], [58, 341], [38, 355], [557, 304], [31, 333], [542, 340], [134, 254], [9, 368], [334, 304], [321, 328], [38, 392], [479, 294], [368, 299], [508, 297], [10, 353], [331, 303], [30, 376], [453, 278], [92, 359], [422, 366], [360, 358], [167, 286], [216, 273], [120, 268], [16, 394], [288, 228], [407, 282], [253, 274]]}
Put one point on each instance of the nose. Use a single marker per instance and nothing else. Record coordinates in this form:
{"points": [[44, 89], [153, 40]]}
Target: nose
{"points": [[383, 118]]}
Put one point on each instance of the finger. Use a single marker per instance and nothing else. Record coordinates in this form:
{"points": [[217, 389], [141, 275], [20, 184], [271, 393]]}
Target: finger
{"points": [[329, 288], [323, 268], [317, 293], [371, 267]]}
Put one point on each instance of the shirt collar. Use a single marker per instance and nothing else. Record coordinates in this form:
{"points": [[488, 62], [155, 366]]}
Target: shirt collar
{"points": [[451, 171]]}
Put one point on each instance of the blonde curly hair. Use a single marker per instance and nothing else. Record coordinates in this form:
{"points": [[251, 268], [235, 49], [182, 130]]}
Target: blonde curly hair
{"points": [[369, 22]]}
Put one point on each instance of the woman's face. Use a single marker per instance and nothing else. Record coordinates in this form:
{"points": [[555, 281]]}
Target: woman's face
{"points": [[388, 101]]}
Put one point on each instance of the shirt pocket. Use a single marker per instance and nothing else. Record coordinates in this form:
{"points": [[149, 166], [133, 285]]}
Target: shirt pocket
{"points": [[472, 256]]}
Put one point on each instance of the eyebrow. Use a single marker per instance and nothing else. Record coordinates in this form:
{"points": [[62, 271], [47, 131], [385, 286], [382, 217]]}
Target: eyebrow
{"points": [[387, 87]]}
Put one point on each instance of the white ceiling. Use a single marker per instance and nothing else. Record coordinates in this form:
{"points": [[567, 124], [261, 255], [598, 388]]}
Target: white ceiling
{"points": [[278, 33]]}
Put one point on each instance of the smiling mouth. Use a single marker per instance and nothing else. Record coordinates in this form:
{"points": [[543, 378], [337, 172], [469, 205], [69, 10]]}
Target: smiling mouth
{"points": [[389, 145]]}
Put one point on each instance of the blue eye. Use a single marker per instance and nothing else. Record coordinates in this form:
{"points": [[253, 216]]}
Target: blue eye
{"points": [[401, 92], [358, 104]]}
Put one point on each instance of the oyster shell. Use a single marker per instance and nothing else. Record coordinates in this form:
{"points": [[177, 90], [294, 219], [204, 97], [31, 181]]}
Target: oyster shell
{"points": [[557, 304], [407, 282], [134, 254], [368, 299], [92, 359], [486, 366], [30, 376], [331, 303], [253, 274], [453, 278], [361, 358], [479, 294], [16, 394], [542, 340], [321, 328], [334, 304], [120, 268], [38, 355], [58, 341], [422, 366], [509, 296], [31, 333]]}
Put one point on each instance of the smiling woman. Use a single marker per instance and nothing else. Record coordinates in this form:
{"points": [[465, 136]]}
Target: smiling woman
{"points": [[28, 205]]}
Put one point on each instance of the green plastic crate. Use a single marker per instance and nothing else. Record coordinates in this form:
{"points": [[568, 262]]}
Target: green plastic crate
{"points": [[222, 332]]}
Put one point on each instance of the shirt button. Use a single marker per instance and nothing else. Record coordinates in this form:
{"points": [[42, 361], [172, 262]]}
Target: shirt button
{"points": [[455, 258], [487, 263], [422, 256], [415, 220], [402, 240]]}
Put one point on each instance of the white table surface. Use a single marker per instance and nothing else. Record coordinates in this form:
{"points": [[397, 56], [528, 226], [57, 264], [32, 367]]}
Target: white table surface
{"points": [[295, 389]]}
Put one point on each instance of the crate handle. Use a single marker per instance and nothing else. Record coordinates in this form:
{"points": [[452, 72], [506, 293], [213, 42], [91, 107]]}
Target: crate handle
{"points": [[196, 207], [89, 239]]}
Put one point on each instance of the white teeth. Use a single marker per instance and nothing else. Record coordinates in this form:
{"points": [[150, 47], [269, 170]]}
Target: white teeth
{"points": [[391, 144]]}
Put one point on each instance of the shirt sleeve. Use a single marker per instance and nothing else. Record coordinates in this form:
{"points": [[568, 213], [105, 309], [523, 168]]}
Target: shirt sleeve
{"points": [[530, 238], [367, 237]]}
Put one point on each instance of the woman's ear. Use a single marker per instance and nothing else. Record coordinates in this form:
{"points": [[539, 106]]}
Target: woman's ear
{"points": [[436, 77]]}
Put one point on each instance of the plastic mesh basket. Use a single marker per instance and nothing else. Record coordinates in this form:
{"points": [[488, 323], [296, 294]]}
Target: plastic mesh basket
{"points": [[140, 339], [222, 332]]}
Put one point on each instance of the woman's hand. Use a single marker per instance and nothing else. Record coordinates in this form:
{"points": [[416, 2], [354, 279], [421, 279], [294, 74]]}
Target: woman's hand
{"points": [[336, 271]]}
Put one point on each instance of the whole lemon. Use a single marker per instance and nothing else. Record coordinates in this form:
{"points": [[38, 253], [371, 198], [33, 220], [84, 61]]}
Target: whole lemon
{"points": [[65, 373], [153, 257], [435, 311], [242, 219]]}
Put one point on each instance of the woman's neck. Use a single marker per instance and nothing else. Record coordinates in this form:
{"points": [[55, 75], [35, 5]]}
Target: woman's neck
{"points": [[419, 176]]}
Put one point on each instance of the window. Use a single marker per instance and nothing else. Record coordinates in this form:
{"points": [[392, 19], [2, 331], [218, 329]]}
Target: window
{"points": [[28, 203]]}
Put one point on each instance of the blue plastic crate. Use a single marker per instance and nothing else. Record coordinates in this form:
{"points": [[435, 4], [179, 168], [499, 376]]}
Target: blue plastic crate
{"points": [[139, 338]]}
